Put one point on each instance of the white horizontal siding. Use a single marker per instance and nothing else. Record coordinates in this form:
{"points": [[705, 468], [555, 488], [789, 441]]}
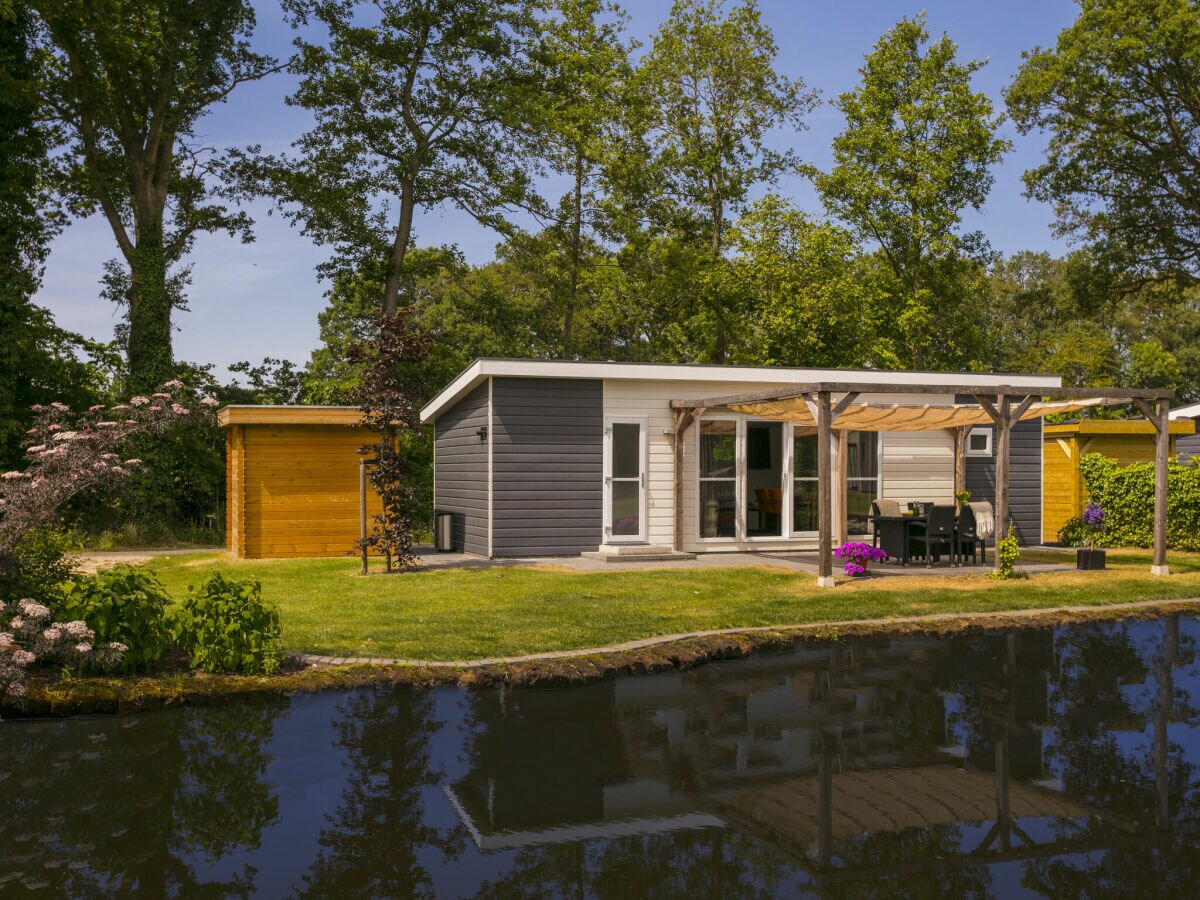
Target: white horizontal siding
{"points": [[915, 465]]}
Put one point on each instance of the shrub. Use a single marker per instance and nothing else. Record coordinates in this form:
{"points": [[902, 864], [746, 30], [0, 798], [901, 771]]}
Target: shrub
{"points": [[1008, 554], [226, 627], [28, 636], [1127, 495], [1074, 532], [37, 567], [125, 605]]}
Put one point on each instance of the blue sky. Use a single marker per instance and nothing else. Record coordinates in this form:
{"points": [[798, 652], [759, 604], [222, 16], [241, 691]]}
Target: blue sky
{"points": [[262, 299]]}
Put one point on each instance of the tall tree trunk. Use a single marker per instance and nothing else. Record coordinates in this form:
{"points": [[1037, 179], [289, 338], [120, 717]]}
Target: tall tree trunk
{"points": [[720, 338], [391, 287], [576, 240], [149, 353]]}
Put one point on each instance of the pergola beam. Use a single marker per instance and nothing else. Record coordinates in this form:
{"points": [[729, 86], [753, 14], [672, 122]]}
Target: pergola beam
{"points": [[1121, 395]]}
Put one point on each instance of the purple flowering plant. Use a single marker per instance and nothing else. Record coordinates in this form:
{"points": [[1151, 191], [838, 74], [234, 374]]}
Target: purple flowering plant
{"points": [[1093, 517], [857, 556]]}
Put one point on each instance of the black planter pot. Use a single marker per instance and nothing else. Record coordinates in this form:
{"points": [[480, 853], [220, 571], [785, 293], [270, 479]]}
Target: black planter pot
{"points": [[1089, 559]]}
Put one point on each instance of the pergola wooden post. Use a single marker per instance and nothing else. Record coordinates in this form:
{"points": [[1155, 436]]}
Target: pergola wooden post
{"points": [[1162, 453], [824, 490]]}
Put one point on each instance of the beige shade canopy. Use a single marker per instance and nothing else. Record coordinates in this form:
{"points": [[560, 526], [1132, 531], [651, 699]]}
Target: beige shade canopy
{"points": [[902, 416]]}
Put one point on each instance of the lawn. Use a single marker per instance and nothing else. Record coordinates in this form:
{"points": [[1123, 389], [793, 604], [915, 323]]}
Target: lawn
{"points": [[328, 608]]}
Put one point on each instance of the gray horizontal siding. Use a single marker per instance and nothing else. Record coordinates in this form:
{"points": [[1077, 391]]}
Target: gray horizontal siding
{"points": [[1024, 480], [460, 470], [1187, 446], [547, 466]]}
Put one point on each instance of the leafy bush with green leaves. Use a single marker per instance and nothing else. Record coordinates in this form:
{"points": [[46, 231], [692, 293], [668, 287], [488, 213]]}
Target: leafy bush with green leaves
{"points": [[1008, 554], [1127, 495], [38, 567], [1074, 532], [226, 627], [125, 605]]}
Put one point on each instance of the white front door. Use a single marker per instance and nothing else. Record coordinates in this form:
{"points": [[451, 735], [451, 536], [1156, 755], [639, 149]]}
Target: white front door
{"points": [[625, 481]]}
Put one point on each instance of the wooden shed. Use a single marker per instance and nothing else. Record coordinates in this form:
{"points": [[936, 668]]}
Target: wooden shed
{"points": [[1125, 440], [292, 482]]}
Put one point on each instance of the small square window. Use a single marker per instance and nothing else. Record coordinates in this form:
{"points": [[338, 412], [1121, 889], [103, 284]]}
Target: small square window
{"points": [[979, 442]]}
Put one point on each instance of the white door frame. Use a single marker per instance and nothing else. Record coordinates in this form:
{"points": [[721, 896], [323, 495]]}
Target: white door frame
{"points": [[640, 537]]}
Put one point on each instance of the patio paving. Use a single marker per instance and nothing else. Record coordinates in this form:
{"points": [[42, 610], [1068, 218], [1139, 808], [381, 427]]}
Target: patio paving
{"points": [[797, 562]]}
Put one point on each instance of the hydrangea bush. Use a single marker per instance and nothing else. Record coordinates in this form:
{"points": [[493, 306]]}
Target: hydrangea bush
{"points": [[1093, 518], [28, 636], [857, 556]]}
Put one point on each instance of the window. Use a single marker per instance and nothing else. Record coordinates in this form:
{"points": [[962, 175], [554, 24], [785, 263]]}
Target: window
{"points": [[804, 480], [718, 478], [979, 442], [862, 478], [764, 479]]}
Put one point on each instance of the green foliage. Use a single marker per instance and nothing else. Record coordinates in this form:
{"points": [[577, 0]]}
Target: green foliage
{"points": [[918, 148], [125, 84], [1127, 495], [1116, 94], [1074, 532], [38, 567], [226, 627], [122, 604], [1008, 554]]}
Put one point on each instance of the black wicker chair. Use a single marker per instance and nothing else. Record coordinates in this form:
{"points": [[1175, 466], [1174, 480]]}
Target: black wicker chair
{"points": [[890, 533], [970, 535], [931, 534]]}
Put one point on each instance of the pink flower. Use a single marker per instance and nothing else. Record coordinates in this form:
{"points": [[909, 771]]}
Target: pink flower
{"points": [[162, 396], [33, 609], [13, 476], [154, 408], [106, 424], [38, 449], [61, 407], [54, 427], [52, 634], [83, 648], [120, 406], [179, 410], [78, 630], [138, 401], [210, 401], [133, 462], [22, 657], [96, 407], [175, 384], [66, 436], [118, 647], [37, 407]]}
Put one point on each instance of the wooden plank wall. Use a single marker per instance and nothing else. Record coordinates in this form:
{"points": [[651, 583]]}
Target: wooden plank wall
{"points": [[300, 488], [1064, 496]]}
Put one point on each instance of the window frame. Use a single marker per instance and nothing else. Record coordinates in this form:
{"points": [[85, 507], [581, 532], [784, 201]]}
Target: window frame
{"points": [[985, 453]]}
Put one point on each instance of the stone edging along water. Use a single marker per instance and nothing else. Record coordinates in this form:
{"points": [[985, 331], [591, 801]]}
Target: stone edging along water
{"points": [[933, 623]]}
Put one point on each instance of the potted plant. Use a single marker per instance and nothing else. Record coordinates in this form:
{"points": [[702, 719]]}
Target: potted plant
{"points": [[857, 556], [1090, 556], [962, 498]]}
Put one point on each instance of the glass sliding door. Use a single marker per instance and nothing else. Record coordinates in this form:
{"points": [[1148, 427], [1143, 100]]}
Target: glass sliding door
{"points": [[764, 479], [862, 479], [718, 478], [804, 480], [625, 465]]}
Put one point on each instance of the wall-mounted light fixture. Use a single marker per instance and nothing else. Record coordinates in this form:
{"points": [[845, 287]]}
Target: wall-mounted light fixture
{"points": [[482, 432]]}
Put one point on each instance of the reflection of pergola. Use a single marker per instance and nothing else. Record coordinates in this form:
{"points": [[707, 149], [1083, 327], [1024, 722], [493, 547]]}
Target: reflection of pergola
{"points": [[833, 407]]}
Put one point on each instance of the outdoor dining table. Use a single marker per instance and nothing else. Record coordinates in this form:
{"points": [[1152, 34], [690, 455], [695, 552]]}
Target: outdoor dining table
{"points": [[908, 523]]}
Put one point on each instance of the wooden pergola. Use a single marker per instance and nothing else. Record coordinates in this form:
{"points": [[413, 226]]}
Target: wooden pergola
{"points": [[834, 407]]}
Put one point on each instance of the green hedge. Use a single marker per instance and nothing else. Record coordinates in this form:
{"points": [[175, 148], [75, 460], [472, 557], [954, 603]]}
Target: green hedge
{"points": [[1126, 494]]}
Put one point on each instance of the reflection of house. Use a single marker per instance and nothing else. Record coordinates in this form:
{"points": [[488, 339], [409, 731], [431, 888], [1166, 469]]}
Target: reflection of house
{"points": [[809, 750]]}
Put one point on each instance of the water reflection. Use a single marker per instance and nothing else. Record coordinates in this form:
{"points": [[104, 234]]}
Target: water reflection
{"points": [[1052, 763]]}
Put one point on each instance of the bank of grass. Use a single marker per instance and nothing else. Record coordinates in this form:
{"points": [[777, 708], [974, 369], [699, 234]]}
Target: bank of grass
{"points": [[464, 614]]}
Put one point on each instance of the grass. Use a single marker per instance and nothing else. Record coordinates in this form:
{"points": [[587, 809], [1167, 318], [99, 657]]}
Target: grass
{"points": [[327, 608]]}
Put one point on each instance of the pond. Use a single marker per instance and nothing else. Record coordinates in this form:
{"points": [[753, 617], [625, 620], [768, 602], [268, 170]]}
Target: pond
{"points": [[1049, 763]]}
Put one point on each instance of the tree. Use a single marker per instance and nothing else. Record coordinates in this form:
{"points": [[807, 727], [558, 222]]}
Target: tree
{"points": [[414, 103], [389, 393], [585, 69], [126, 83], [710, 96], [1117, 93], [39, 362], [917, 149], [808, 300]]}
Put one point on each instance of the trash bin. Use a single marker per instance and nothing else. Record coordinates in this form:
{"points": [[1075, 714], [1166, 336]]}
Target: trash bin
{"points": [[443, 532]]}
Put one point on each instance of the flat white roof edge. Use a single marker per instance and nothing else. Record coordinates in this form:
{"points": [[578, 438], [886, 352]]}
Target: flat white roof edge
{"points": [[480, 369], [1191, 411]]}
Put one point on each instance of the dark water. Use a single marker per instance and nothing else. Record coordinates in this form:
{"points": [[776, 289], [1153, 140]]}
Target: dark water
{"points": [[1057, 764]]}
